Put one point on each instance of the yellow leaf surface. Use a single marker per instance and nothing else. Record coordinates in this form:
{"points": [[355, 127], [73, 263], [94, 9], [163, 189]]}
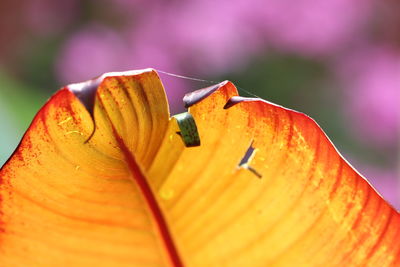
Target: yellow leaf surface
{"points": [[129, 193]]}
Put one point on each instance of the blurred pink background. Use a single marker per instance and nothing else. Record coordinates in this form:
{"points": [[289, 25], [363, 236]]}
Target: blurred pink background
{"points": [[336, 60]]}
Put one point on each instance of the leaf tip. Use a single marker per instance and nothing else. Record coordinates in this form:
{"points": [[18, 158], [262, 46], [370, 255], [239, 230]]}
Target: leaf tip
{"points": [[196, 96], [238, 99], [86, 91]]}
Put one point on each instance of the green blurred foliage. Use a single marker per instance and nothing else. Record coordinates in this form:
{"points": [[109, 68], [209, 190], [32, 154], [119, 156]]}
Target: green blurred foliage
{"points": [[18, 105]]}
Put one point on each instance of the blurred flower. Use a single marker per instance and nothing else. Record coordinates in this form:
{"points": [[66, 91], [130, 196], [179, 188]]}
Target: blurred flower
{"points": [[208, 36], [371, 78], [48, 16], [310, 27], [90, 52]]}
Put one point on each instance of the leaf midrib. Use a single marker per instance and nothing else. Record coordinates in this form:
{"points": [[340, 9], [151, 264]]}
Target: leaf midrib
{"points": [[147, 193]]}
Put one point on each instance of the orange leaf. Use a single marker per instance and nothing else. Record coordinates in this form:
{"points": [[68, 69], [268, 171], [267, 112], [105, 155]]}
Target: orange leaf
{"points": [[129, 193]]}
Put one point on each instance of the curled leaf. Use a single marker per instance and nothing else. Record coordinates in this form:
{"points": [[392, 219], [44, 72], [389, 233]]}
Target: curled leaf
{"points": [[135, 195], [188, 129]]}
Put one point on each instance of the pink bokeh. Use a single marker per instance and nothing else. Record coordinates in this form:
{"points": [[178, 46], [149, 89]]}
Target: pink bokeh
{"points": [[218, 36], [371, 78], [208, 37], [90, 52]]}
